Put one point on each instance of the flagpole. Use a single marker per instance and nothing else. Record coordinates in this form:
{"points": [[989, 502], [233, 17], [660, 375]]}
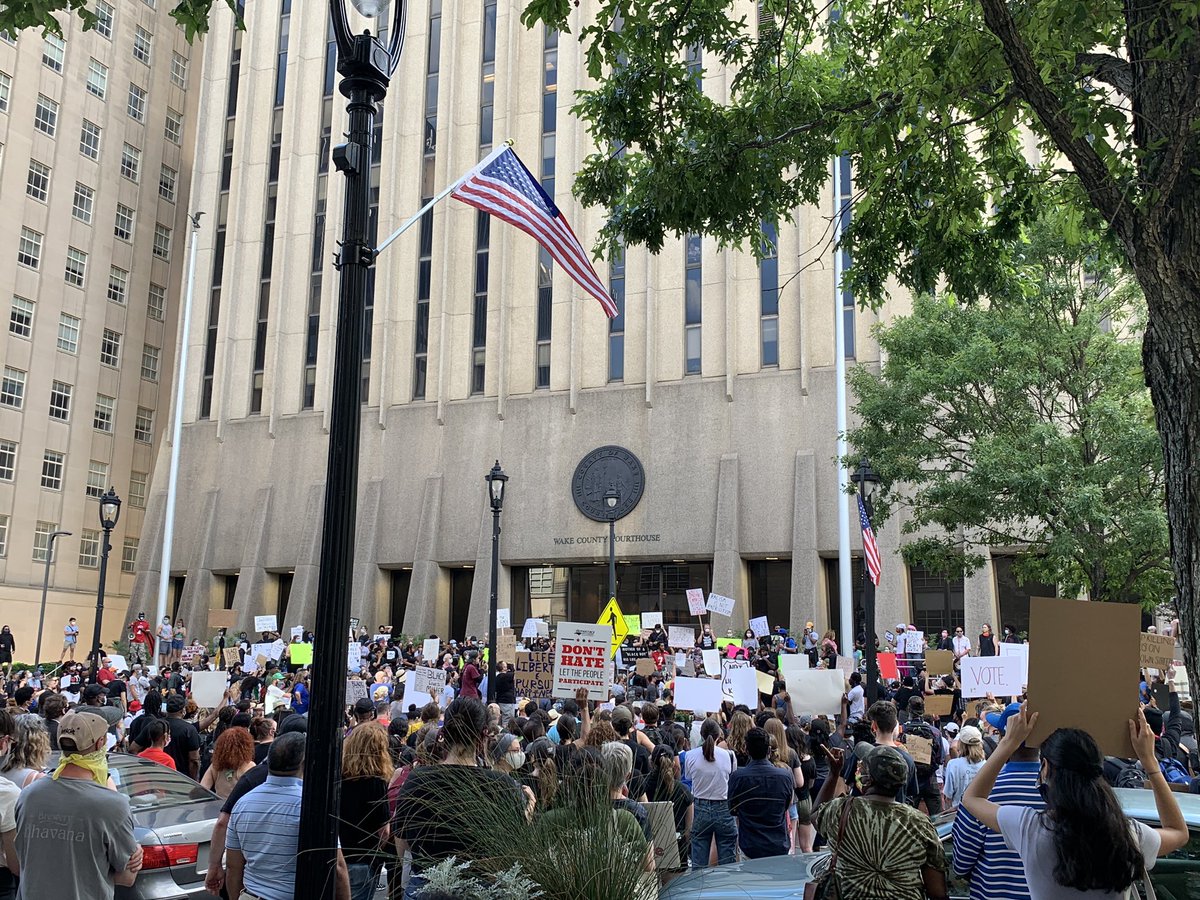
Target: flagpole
{"points": [[845, 601]]}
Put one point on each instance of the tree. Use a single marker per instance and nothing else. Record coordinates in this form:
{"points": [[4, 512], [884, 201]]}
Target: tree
{"points": [[932, 101], [17, 15], [1024, 421]]}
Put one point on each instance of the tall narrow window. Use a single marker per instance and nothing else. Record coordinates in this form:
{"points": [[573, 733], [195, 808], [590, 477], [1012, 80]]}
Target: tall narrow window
{"points": [[89, 140], [54, 51], [45, 115], [20, 317], [545, 286], [693, 293], [425, 245], [60, 400], [12, 388], [768, 280], [479, 311], [37, 181], [616, 325]]}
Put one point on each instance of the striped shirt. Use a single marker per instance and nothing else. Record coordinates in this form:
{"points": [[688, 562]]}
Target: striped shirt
{"points": [[980, 854], [265, 826]]}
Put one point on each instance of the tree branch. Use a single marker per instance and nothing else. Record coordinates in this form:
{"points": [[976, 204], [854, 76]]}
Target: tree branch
{"points": [[1112, 70]]}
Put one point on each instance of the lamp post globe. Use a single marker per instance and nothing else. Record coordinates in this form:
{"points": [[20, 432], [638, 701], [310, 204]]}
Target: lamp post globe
{"points": [[611, 499]]}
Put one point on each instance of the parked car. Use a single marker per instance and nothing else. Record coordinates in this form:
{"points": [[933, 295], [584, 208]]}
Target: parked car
{"points": [[1175, 877], [173, 820]]}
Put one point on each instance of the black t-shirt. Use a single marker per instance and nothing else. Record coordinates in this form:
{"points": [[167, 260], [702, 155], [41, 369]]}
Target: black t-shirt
{"points": [[364, 811], [184, 739], [245, 784], [506, 691], [261, 751], [138, 726], [429, 814], [116, 688]]}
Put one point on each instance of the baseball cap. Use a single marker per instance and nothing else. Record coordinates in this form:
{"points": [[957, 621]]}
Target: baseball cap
{"points": [[951, 728], [363, 706], [808, 624], [84, 728], [900, 626], [622, 714], [884, 765], [999, 720], [176, 703], [92, 691], [970, 735]]}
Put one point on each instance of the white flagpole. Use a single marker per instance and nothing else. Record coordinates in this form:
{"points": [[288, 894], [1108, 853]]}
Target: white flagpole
{"points": [[845, 589]]}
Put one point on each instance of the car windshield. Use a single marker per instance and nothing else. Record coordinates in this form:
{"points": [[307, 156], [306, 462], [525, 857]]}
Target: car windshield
{"points": [[153, 787]]}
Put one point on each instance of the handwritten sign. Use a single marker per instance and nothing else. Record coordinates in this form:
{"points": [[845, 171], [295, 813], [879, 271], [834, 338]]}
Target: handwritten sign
{"points": [[695, 601], [1021, 651], [650, 619], [919, 748], [429, 649], [719, 604], [427, 681], [297, 631], [191, 654], [354, 657], [1157, 652], [581, 659], [760, 627], [939, 704], [355, 690], [233, 657], [262, 651], [534, 675], [712, 662], [266, 623], [997, 675], [531, 628], [678, 636], [506, 647], [738, 682]]}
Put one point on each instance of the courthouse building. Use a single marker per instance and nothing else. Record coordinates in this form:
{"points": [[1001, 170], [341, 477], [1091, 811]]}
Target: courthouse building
{"points": [[718, 375], [96, 136]]}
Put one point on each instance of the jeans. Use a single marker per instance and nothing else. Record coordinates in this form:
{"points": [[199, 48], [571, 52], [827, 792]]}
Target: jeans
{"points": [[362, 881], [712, 819], [931, 794]]}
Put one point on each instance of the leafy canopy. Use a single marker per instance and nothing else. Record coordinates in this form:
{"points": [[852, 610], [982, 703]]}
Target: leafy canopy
{"points": [[1024, 422], [17, 15]]}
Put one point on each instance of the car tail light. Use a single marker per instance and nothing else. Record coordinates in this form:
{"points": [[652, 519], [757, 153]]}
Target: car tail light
{"points": [[163, 856]]}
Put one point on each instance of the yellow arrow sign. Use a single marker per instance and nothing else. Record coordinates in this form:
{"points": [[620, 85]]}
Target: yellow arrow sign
{"points": [[612, 616]]}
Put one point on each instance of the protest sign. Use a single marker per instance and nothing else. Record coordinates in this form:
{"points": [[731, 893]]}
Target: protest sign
{"points": [[766, 684], [845, 665], [297, 631], [355, 690], [996, 675], [581, 657], [887, 666], [939, 704], [919, 748], [679, 636], [1157, 651], [645, 667], [277, 649], [412, 695], [680, 660], [633, 623], [792, 662], [721, 605], [234, 658], [712, 662], [503, 618], [354, 657], [700, 695], [631, 653], [354, 623], [739, 683], [939, 662], [429, 649], [534, 675], [222, 618], [695, 601], [261, 661], [539, 607], [190, 654], [427, 681], [760, 627], [816, 691], [208, 688], [1066, 668], [506, 647], [301, 654], [266, 623], [1021, 651], [650, 619], [531, 628], [263, 650], [661, 816], [118, 661]]}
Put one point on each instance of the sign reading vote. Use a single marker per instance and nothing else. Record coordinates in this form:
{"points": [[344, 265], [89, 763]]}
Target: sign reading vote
{"points": [[996, 675]]}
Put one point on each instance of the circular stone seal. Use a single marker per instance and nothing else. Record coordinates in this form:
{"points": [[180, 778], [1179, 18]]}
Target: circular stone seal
{"points": [[604, 469]]}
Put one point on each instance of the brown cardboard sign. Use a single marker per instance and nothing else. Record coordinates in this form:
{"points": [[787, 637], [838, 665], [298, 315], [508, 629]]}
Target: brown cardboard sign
{"points": [[232, 657], [1081, 682], [506, 647], [646, 667], [939, 704], [919, 748], [222, 618], [939, 662], [1157, 651]]}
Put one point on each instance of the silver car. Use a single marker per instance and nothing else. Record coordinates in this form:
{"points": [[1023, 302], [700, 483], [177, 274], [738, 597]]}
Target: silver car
{"points": [[173, 820]]}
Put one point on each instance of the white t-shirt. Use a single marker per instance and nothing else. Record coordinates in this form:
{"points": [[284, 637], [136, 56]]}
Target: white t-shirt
{"points": [[1025, 833], [855, 696], [9, 793], [962, 645], [710, 780], [960, 772]]}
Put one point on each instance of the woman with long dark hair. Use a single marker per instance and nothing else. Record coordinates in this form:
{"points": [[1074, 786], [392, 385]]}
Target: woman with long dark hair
{"points": [[1082, 845], [663, 786], [709, 768]]}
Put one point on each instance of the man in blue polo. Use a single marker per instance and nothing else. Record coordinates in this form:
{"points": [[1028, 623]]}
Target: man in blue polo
{"points": [[759, 796], [980, 855], [263, 837]]}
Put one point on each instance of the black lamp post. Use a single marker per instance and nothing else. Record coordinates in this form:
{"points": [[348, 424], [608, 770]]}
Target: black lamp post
{"points": [[496, 480], [611, 499], [866, 478], [54, 535], [110, 512], [366, 66]]}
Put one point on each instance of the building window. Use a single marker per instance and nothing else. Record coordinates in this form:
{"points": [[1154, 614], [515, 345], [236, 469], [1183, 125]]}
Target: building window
{"points": [[89, 549], [60, 400], [545, 286], [41, 540], [142, 44], [104, 20], [118, 284], [433, 64], [45, 115], [8, 460], [68, 333], [3, 536], [150, 362], [5, 91], [173, 127], [83, 203], [692, 305], [52, 470], [143, 426], [123, 226], [136, 105], [37, 182], [97, 478], [97, 79], [129, 555], [768, 278], [12, 388], [104, 414], [29, 249], [89, 140], [131, 162], [137, 490], [937, 602], [616, 325], [20, 317], [110, 348], [167, 179], [54, 51], [162, 241], [75, 272], [179, 68], [156, 302], [479, 331]]}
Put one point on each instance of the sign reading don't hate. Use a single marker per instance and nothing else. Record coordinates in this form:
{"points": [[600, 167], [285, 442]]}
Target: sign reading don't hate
{"points": [[581, 659]]}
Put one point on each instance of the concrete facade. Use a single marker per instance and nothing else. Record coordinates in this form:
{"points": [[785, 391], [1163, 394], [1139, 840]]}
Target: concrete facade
{"points": [[67, 188]]}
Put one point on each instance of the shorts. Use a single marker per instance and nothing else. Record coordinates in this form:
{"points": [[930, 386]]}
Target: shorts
{"points": [[176, 645], [5, 656], [803, 810]]}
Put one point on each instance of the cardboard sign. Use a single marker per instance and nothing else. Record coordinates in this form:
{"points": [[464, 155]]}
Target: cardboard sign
{"points": [[1157, 651], [233, 657], [887, 666], [760, 627], [208, 688], [919, 748], [712, 662], [939, 704], [581, 656], [721, 605], [430, 648], [700, 695], [766, 684], [695, 601], [297, 631], [355, 690], [301, 654], [645, 667], [531, 628], [427, 681], [845, 665], [506, 647], [534, 675], [266, 623], [679, 636], [939, 662], [1021, 651], [539, 607], [816, 691], [503, 618], [222, 618], [650, 619], [996, 675], [739, 684], [1064, 674], [662, 828]]}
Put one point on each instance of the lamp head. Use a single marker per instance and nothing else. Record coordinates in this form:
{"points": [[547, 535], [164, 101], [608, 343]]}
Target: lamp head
{"points": [[110, 510], [496, 480], [611, 497], [865, 477], [368, 8]]}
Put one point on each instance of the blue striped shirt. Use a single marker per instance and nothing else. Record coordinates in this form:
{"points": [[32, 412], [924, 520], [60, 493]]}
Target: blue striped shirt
{"points": [[265, 826], [980, 855]]}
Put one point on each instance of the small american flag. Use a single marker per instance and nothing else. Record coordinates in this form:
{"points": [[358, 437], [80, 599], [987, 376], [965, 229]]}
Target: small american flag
{"points": [[870, 548], [501, 186]]}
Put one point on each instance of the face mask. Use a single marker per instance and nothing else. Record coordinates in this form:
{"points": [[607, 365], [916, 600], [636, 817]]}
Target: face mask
{"points": [[516, 759], [95, 762]]}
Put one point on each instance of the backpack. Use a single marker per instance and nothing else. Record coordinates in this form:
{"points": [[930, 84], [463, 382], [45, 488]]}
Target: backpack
{"points": [[1174, 771], [921, 729], [1121, 773]]}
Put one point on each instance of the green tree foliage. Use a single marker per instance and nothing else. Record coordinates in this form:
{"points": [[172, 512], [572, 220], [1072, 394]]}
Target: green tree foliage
{"points": [[17, 15], [1024, 421]]}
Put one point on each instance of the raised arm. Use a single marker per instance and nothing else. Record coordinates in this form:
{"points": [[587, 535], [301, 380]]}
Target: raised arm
{"points": [[976, 797], [1173, 831]]}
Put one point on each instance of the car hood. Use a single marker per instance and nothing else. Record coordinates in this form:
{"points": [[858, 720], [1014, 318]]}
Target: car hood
{"points": [[772, 877]]}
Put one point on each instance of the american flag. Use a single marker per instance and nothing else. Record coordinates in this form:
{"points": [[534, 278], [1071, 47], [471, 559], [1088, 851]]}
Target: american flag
{"points": [[501, 186], [870, 548]]}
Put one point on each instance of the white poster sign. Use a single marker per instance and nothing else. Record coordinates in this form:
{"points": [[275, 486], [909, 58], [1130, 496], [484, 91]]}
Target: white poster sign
{"points": [[581, 659], [503, 618], [760, 627], [208, 688], [1022, 652], [263, 650], [996, 675], [740, 684], [428, 681], [298, 631], [679, 636], [118, 662], [700, 695], [266, 623], [354, 657], [712, 662], [277, 649], [355, 690], [429, 649], [695, 600], [650, 619], [412, 695], [531, 628], [722, 606], [816, 691]]}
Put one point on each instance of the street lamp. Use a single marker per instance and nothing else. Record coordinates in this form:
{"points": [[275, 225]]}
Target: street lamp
{"points": [[611, 499], [496, 480], [54, 535], [865, 478], [366, 66], [110, 512]]}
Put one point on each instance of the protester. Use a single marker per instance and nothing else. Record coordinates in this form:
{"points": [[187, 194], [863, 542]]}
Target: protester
{"points": [[10, 867], [709, 768], [987, 641], [30, 749], [664, 786], [363, 826], [759, 797], [158, 733], [70, 639], [962, 769], [233, 757], [262, 730]]}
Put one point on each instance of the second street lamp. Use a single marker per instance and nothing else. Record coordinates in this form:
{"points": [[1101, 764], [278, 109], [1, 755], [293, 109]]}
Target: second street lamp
{"points": [[110, 513], [54, 535], [611, 499], [496, 480], [866, 478]]}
